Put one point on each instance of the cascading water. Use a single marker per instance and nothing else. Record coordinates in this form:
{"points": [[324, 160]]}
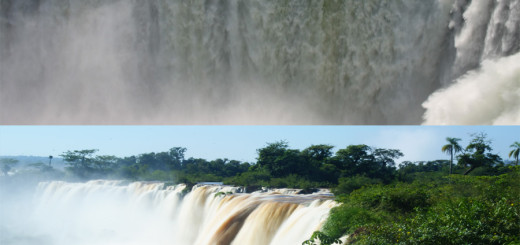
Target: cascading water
{"points": [[260, 61], [114, 212]]}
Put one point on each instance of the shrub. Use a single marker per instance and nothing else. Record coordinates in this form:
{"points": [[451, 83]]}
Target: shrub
{"points": [[344, 220], [467, 221], [347, 185], [322, 238], [451, 210], [401, 198]]}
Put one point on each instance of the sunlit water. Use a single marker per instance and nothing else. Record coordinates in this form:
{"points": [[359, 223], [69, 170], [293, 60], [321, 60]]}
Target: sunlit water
{"points": [[114, 212]]}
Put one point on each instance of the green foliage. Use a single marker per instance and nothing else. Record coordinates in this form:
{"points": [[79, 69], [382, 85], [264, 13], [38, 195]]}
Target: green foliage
{"points": [[452, 148], [202, 177], [318, 153], [478, 154], [291, 181], [280, 161], [349, 184], [454, 210], [405, 199], [322, 238], [81, 162], [104, 164], [364, 160], [250, 178], [220, 193], [490, 187], [156, 175], [401, 198], [424, 171], [176, 157], [465, 221], [468, 221], [254, 179], [515, 153], [79, 158], [345, 219], [328, 173], [355, 159], [133, 172]]}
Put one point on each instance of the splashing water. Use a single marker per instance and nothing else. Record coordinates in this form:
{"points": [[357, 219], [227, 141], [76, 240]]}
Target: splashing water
{"points": [[249, 62], [488, 96], [114, 212]]}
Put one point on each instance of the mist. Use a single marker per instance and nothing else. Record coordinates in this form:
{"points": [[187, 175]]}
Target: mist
{"points": [[243, 62], [487, 96], [114, 212]]}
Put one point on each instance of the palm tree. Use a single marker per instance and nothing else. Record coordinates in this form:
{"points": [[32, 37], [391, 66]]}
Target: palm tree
{"points": [[452, 148], [516, 151]]}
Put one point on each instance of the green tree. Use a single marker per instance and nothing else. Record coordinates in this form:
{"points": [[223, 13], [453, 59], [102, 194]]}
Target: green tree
{"points": [[317, 158], [80, 161], [385, 163], [452, 148], [386, 157], [280, 161], [268, 154], [104, 163], [366, 161], [217, 166], [177, 156], [516, 151], [149, 159], [126, 161], [478, 153], [6, 164], [318, 153], [196, 166], [421, 170], [355, 159]]}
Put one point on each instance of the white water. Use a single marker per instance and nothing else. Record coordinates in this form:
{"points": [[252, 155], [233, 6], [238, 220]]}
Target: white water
{"points": [[256, 62], [114, 213], [488, 96]]}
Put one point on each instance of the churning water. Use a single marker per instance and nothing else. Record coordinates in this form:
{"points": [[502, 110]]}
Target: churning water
{"points": [[260, 61], [115, 213]]}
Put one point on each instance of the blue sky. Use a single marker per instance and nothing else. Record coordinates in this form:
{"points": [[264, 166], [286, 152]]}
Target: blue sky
{"points": [[241, 142]]}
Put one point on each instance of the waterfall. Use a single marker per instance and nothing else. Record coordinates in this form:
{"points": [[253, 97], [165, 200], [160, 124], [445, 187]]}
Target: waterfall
{"points": [[487, 52], [488, 96], [117, 212], [252, 62]]}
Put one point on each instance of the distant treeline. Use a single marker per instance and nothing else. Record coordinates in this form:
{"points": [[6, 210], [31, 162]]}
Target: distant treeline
{"points": [[278, 165]]}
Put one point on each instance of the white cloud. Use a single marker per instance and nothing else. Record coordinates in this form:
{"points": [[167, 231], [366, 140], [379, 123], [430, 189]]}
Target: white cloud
{"points": [[416, 143]]}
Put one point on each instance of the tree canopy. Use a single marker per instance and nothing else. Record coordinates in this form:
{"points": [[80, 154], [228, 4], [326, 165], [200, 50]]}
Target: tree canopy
{"points": [[478, 153], [516, 151], [452, 148]]}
